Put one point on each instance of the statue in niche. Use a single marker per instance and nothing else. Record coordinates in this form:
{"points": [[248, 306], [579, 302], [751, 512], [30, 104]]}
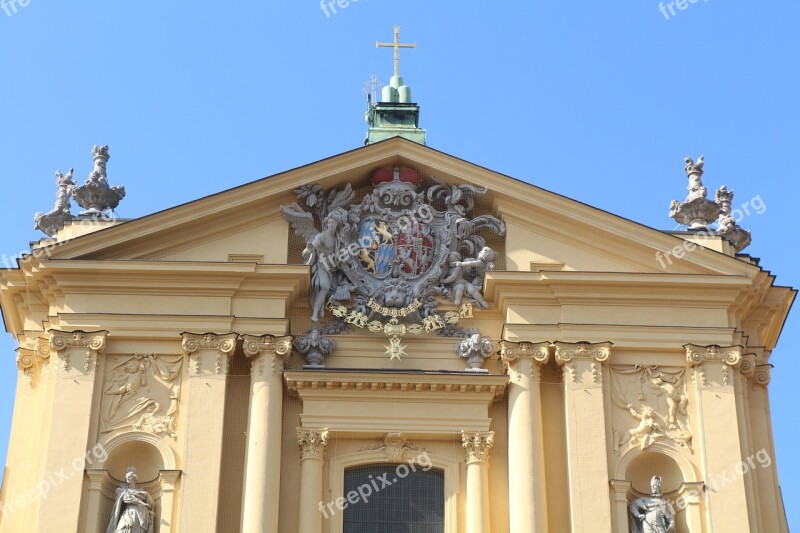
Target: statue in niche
{"points": [[133, 508], [652, 514]]}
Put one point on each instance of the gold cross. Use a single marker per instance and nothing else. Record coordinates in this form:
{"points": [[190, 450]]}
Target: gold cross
{"points": [[397, 45]]}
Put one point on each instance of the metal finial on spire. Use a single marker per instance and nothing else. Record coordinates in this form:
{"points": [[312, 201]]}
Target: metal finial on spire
{"points": [[397, 45]]}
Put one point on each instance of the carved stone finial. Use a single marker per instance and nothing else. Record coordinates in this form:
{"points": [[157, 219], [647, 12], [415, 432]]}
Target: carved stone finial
{"points": [[312, 443], [54, 220], [475, 349], [697, 211], [96, 196], [478, 446], [740, 238], [315, 347]]}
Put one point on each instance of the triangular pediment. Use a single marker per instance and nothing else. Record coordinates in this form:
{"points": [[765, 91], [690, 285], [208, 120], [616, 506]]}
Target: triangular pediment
{"points": [[546, 231]]}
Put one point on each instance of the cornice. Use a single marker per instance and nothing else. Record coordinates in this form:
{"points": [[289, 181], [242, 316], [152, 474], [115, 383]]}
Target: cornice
{"points": [[428, 386]]}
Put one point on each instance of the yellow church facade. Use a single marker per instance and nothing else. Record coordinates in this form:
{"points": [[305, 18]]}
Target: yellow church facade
{"points": [[473, 355]]}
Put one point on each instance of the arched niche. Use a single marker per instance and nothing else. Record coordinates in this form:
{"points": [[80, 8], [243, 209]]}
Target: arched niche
{"points": [[678, 480], [155, 463]]}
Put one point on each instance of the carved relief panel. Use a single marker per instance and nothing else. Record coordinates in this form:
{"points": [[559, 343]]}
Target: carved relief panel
{"points": [[650, 404], [141, 393]]}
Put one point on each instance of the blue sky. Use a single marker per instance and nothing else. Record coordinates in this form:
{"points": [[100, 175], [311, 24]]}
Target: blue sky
{"points": [[599, 101]]}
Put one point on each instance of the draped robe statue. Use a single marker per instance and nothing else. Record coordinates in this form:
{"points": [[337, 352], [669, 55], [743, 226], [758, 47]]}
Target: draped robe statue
{"points": [[133, 508], [652, 514]]}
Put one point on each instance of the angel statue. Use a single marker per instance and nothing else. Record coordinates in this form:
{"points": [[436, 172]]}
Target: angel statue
{"points": [[133, 508], [652, 514]]}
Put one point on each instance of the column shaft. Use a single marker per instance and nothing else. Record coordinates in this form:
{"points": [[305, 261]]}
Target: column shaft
{"points": [[263, 460], [527, 489]]}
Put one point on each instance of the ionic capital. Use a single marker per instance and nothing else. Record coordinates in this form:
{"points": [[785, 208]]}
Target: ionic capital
{"points": [[94, 341], [312, 443], [534, 354], [593, 352], [209, 352], [728, 355], [225, 344], [478, 446], [762, 375], [259, 349]]}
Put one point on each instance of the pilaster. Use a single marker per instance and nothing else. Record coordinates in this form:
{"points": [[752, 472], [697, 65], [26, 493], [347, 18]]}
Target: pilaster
{"points": [[527, 489], [73, 382], [267, 355], [202, 458], [715, 372], [587, 446]]}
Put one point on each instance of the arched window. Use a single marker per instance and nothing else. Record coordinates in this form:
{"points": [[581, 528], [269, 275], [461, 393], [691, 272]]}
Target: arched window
{"points": [[393, 498]]}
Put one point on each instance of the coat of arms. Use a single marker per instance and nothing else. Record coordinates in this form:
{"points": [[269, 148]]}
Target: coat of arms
{"points": [[395, 255]]}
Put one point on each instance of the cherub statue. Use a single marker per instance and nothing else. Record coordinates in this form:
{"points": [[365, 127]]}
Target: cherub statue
{"points": [[315, 346], [461, 286], [475, 349], [676, 400], [648, 430]]}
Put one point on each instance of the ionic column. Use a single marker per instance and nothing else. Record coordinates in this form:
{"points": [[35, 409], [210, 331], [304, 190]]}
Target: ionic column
{"points": [[202, 458], [715, 371], [68, 439], [587, 447], [527, 490], [312, 444], [263, 459], [478, 447]]}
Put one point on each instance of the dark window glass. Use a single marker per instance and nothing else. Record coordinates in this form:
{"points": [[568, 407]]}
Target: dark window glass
{"points": [[410, 504]]}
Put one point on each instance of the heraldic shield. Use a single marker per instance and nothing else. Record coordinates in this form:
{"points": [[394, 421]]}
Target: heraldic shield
{"points": [[409, 243]]}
